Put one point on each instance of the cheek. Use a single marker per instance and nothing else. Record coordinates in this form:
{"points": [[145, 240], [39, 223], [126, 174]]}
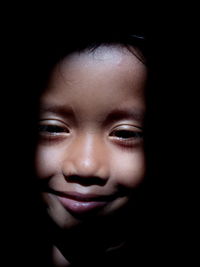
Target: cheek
{"points": [[129, 168], [46, 162]]}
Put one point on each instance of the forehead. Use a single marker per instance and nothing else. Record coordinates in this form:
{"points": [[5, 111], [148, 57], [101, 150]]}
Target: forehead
{"points": [[113, 56], [114, 53], [117, 59], [109, 74]]}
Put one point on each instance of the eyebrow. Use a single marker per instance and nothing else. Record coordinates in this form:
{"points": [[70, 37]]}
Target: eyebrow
{"points": [[115, 115], [125, 113], [60, 110]]}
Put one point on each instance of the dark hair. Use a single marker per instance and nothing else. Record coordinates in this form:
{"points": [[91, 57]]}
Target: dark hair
{"points": [[75, 41], [92, 41]]}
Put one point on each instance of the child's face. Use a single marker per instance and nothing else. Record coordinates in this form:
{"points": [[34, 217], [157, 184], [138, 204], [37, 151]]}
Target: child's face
{"points": [[90, 153]]}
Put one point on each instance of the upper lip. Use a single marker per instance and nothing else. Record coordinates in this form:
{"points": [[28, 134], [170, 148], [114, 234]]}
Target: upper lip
{"points": [[83, 197]]}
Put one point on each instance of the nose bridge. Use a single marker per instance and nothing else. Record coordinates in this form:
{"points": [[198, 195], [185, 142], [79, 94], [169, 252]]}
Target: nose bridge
{"points": [[87, 155]]}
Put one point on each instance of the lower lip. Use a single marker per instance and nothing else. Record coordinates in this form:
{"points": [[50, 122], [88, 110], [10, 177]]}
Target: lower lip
{"points": [[81, 207]]}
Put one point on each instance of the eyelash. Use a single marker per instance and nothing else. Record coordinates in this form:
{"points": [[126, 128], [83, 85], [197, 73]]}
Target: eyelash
{"points": [[52, 129], [127, 138], [127, 134], [124, 137]]}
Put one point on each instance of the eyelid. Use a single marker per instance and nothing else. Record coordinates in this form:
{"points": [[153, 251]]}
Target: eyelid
{"points": [[126, 134], [65, 129], [128, 127], [55, 122]]}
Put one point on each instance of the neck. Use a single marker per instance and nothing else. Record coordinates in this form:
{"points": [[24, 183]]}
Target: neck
{"points": [[80, 243], [58, 259]]}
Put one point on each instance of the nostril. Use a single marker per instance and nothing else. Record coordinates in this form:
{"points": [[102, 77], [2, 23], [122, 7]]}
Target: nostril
{"points": [[85, 180]]}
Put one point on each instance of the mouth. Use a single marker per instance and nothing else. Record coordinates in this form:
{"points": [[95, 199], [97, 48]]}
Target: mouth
{"points": [[82, 204]]}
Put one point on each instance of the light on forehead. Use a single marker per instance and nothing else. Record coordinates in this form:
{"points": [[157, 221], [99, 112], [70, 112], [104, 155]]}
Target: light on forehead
{"points": [[112, 53], [106, 53], [116, 52]]}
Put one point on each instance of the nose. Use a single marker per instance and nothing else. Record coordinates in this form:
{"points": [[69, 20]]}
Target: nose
{"points": [[85, 161]]}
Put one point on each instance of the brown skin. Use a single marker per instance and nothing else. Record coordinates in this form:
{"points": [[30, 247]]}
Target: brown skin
{"points": [[104, 92]]}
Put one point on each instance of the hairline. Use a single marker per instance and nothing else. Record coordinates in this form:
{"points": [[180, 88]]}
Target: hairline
{"points": [[131, 48]]}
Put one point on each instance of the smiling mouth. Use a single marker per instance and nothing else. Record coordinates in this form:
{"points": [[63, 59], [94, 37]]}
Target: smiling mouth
{"points": [[82, 204]]}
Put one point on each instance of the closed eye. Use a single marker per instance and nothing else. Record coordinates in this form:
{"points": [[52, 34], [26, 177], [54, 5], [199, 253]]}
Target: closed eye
{"points": [[126, 134], [52, 129]]}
